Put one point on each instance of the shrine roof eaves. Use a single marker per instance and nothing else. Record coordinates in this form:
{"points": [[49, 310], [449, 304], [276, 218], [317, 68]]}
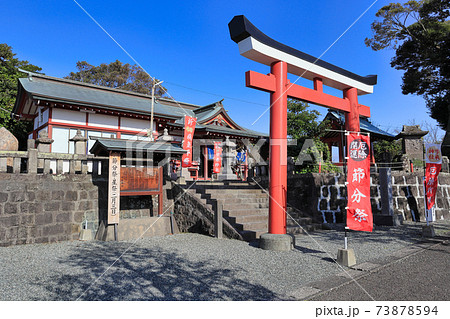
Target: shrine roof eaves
{"points": [[104, 146]]}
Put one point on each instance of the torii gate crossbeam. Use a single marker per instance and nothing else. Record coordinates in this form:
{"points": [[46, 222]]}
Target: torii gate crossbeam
{"points": [[282, 60]]}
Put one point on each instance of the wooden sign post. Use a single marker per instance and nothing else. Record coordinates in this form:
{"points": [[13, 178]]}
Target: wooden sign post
{"points": [[114, 190]]}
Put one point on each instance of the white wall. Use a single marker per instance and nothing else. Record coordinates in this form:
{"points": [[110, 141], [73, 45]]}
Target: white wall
{"points": [[69, 117], [101, 120], [135, 124]]}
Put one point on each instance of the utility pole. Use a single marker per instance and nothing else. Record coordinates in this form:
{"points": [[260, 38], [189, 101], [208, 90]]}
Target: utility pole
{"points": [[152, 138]]}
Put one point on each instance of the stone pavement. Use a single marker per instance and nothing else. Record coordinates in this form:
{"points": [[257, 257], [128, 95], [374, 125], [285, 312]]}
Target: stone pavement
{"points": [[417, 272]]}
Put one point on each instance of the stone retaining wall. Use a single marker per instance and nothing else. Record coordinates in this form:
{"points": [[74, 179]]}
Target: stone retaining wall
{"points": [[44, 208], [323, 196]]}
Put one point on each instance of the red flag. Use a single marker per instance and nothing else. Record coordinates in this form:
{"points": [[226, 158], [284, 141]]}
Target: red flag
{"points": [[189, 128], [431, 182], [359, 209], [217, 157], [433, 159]]}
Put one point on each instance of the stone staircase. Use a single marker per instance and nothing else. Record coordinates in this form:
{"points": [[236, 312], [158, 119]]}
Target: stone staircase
{"points": [[246, 207]]}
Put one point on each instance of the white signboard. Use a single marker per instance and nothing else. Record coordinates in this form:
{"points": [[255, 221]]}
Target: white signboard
{"points": [[114, 188]]}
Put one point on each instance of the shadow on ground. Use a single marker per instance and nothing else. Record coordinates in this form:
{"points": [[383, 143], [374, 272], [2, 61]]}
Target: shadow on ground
{"points": [[145, 274]]}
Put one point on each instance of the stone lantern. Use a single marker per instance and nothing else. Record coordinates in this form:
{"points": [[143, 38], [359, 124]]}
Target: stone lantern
{"points": [[44, 142], [227, 160], [80, 143]]}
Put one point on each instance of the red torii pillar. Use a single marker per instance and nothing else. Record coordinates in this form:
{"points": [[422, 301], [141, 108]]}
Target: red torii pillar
{"points": [[282, 59]]}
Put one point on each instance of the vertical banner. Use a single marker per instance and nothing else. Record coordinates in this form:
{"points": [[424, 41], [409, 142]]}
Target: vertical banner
{"points": [[433, 159], [217, 157], [189, 128], [114, 188], [359, 210]]}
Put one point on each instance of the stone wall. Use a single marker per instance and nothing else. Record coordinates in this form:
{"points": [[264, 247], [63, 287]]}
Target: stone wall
{"points": [[44, 208], [323, 196]]}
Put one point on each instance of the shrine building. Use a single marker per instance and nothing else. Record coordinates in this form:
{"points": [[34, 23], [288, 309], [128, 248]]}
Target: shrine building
{"points": [[61, 107]]}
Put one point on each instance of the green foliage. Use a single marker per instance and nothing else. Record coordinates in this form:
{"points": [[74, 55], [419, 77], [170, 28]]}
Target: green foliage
{"points": [[9, 74], [302, 123], [303, 127], [386, 151], [419, 31], [117, 75]]}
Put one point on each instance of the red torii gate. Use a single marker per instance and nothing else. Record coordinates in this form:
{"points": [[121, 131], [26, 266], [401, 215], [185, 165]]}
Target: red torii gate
{"points": [[282, 59]]}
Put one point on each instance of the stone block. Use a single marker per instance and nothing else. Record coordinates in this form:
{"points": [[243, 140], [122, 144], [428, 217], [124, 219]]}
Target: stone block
{"points": [[18, 196], [28, 219], [78, 216], [43, 195], [71, 196], [323, 204], [68, 206], [82, 195], [63, 217], [10, 208], [85, 205], [346, 257], [53, 230], [276, 242], [93, 194], [58, 195], [44, 219], [3, 197], [52, 206], [9, 221], [31, 196]]}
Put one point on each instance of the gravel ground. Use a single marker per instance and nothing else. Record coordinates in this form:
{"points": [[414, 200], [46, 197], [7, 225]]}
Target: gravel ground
{"points": [[186, 266]]}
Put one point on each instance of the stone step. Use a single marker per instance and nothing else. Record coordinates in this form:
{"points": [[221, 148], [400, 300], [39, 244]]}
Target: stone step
{"points": [[252, 235], [246, 212], [239, 200], [241, 206], [247, 219], [260, 226], [237, 195]]}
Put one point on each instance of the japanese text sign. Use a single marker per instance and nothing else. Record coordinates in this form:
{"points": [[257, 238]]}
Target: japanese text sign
{"points": [[217, 157], [189, 128], [359, 210], [114, 188], [433, 158]]}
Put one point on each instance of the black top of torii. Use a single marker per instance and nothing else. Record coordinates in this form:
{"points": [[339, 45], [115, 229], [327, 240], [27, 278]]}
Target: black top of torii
{"points": [[242, 29]]}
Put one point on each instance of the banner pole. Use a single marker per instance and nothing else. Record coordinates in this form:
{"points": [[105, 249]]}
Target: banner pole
{"points": [[345, 151], [345, 238], [424, 184]]}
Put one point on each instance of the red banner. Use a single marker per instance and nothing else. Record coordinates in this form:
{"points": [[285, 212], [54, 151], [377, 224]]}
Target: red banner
{"points": [[433, 159], [189, 128], [217, 157], [359, 209], [431, 182]]}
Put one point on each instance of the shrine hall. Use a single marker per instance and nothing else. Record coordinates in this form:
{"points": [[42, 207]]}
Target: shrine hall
{"points": [[62, 107]]}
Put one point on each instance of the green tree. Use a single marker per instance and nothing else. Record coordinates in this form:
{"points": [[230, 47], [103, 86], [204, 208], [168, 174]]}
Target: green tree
{"points": [[117, 75], [9, 75], [303, 125], [387, 151], [419, 32]]}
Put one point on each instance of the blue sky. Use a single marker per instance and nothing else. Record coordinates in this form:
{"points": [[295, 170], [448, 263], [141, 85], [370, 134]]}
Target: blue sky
{"points": [[187, 45]]}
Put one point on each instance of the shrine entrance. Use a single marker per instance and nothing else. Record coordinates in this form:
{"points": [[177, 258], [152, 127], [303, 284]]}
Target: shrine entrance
{"points": [[205, 171], [135, 197], [255, 45]]}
